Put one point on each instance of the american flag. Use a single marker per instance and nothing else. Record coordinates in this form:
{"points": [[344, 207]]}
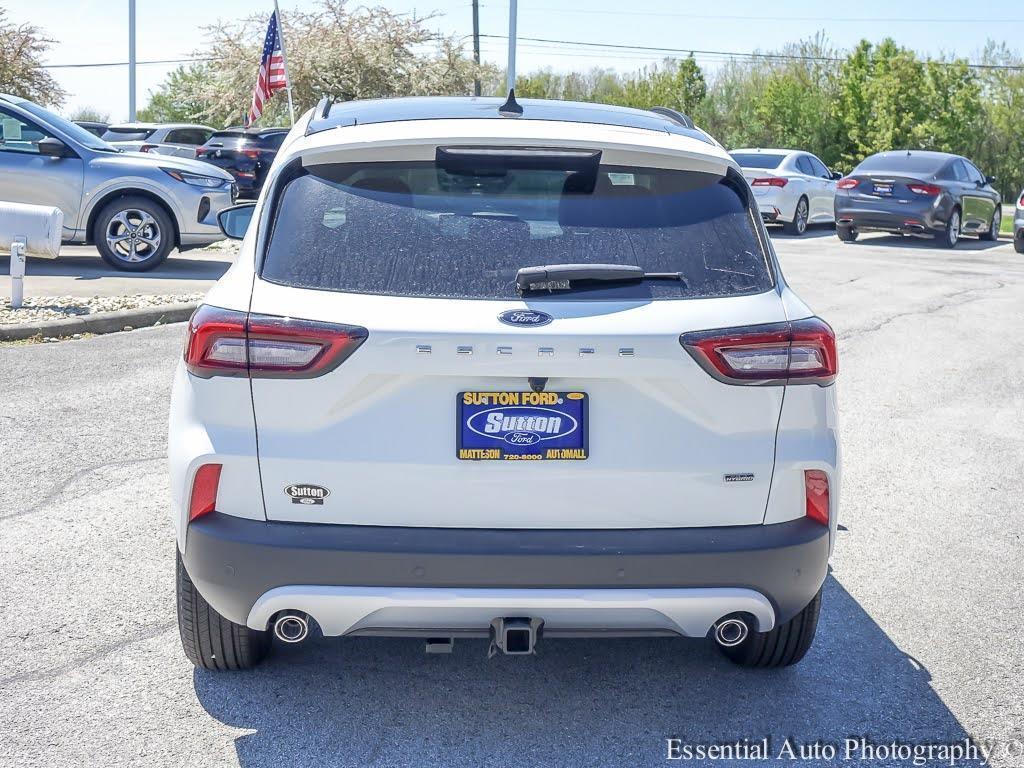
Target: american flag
{"points": [[272, 77]]}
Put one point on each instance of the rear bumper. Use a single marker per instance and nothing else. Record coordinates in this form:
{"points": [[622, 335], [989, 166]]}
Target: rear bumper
{"points": [[925, 217], [249, 569]]}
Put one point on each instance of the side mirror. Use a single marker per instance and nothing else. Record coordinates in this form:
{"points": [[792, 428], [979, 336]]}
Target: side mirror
{"points": [[234, 221], [835, 175], [51, 147], [990, 179]]}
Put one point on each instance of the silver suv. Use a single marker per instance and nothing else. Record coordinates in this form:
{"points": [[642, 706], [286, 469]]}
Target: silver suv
{"points": [[134, 207]]}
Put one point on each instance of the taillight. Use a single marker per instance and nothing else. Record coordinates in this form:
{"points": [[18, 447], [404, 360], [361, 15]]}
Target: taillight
{"points": [[252, 154], [204, 491], [797, 352], [148, 147], [847, 183], [925, 190], [1020, 202], [223, 342], [200, 151], [817, 495], [770, 181]]}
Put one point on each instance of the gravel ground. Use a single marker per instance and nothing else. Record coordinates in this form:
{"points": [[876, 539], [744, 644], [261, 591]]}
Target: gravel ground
{"points": [[921, 629], [63, 307]]}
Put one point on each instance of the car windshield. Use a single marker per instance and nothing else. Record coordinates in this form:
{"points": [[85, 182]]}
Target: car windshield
{"points": [[417, 229], [76, 132], [757, 160], [902, 162]]}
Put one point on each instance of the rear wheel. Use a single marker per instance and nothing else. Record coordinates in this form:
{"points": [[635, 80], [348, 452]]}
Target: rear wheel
{"points": [[846, 233], [799, 223], [950, 236], [993, 228], [210, 641], [133, 233], [782, 646], [1018, 241]]}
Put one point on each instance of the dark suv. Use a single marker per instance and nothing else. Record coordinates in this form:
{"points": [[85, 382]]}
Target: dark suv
{"points": [[245, 154]]}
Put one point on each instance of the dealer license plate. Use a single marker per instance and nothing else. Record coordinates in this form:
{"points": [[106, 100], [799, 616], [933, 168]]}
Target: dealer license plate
{"points": [[522, 426]]}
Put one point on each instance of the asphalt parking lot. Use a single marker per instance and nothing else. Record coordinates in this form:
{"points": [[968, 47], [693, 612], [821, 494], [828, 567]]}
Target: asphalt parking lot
{"points": [[81, 272], [921, 631]]}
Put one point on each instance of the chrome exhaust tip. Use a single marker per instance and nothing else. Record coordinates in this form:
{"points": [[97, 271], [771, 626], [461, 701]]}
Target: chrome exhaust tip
{"points": [[291, 627], [731, 632]]}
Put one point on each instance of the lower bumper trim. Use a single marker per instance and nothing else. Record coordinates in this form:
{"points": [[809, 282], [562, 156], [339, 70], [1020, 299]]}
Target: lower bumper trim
{"points": [[345, 610]]}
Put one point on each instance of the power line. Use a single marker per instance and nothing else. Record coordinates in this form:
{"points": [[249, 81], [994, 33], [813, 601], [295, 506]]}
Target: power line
{"points": [[746, 17], [125, 63], [729, 54]]}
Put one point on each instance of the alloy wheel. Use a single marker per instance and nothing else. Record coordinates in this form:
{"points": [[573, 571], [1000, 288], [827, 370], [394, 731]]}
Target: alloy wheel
{"points": [[801, 216], [133, 235]]}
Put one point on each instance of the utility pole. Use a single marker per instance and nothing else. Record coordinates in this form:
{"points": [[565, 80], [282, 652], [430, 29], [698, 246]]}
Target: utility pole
{"points": [[131, 61], [476, 46]]}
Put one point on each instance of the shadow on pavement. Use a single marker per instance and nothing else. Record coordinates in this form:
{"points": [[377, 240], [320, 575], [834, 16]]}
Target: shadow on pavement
{"points": [[369, 701], [176, 267], [898, 241], [813, 232]]}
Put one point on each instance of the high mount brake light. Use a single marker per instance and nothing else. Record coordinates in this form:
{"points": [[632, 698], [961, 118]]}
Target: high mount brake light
{"points": [[846, 183], [925, 190], [771, 181], [797, 352], [223, 342]]}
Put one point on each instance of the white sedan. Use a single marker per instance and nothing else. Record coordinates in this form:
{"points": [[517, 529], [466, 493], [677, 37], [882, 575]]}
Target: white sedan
{"points": [[791, 187], [175, 139]]}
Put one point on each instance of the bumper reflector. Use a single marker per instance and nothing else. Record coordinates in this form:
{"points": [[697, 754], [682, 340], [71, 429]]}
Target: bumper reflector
{"points": [[204, 491], [816, 491]]}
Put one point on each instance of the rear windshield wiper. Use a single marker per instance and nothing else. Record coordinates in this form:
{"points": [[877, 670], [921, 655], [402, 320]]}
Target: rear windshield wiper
{"points": [[560, 277]]}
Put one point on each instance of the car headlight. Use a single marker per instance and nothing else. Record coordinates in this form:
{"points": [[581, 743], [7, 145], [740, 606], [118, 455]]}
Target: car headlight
{"points": [[196, 179]]}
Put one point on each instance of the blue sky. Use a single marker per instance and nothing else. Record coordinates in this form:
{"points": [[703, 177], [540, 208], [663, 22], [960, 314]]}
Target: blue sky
{"points": [[96, 31]]}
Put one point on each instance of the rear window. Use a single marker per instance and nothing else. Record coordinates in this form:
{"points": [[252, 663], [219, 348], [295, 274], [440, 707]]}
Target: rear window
{"points": [[902, 162], [416, 229], [128, 134], [272, 140], [757, 160]]}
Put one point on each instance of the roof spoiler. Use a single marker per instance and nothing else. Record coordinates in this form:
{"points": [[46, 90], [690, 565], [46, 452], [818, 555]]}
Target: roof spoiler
{"points": [[676, 117]]}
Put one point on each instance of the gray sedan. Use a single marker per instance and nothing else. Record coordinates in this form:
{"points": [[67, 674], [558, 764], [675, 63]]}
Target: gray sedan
{"points": [[134, 207]]}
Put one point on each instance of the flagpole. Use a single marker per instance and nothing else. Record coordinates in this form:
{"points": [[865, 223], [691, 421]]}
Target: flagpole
{"points": [[284, 59]]}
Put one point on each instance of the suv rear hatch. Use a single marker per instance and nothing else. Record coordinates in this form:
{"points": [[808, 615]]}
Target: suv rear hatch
{"points": [[416, 426]]}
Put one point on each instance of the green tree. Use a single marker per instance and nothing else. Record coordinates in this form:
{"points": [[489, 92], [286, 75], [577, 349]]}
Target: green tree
{"points": [[22, 47], [90, 114], [177, 100], [676, 83], [997, 147]]}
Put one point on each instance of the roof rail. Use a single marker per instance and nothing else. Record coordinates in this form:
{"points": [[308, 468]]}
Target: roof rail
{"points": [[674, 116]]}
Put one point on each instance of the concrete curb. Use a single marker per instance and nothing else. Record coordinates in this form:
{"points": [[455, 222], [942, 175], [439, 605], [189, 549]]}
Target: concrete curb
{"points": [[101, 322]]}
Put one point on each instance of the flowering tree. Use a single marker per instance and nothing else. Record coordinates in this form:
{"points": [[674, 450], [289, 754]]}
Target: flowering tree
{"points": [[21, 71]]}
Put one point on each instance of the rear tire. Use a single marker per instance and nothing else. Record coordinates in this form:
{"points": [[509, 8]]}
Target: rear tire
{"points": [[846, 233], [950, 236], [1018, 241], [994, 225], [210, 641], [782, 646], [798, 225]]}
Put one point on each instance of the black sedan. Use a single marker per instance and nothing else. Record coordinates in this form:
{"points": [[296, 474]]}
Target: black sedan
{"points": [[244, 153], [912, 192]]}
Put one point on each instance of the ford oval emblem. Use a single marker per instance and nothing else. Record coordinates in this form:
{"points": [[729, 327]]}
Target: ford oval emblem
{"points": [[525, 317]]}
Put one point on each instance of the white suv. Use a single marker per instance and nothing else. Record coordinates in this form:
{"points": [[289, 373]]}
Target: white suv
{"points": [[486, 374]]}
